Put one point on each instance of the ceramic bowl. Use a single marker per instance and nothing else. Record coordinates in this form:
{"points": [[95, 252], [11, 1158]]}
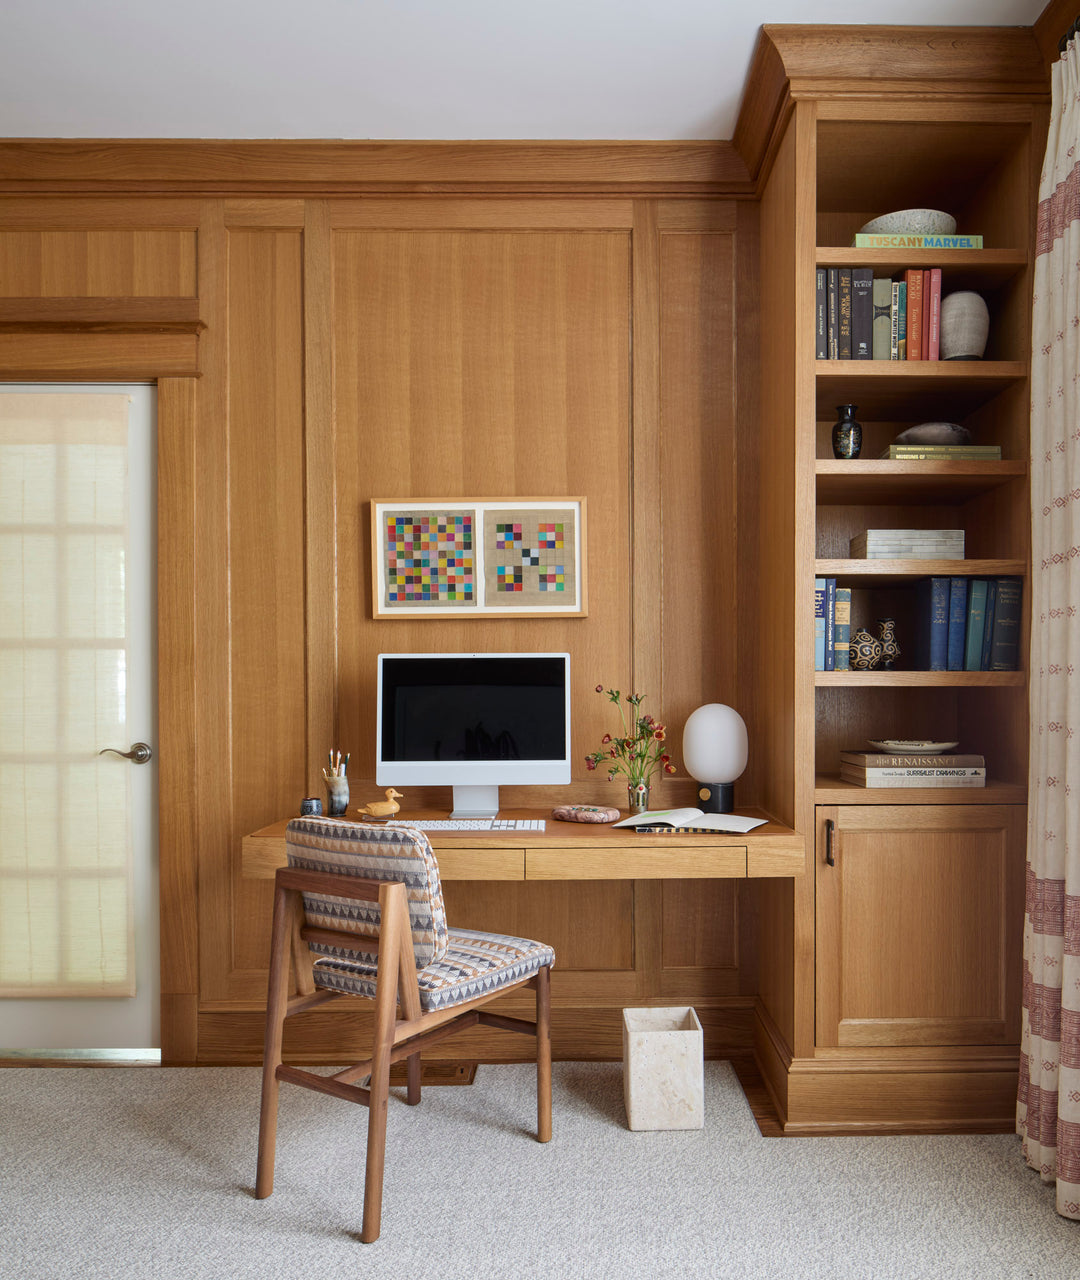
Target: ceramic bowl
{"points": [[935, 433], [912, 222]]}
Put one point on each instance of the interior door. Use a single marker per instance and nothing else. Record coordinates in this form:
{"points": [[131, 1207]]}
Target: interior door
{"points": [[78, 828]]}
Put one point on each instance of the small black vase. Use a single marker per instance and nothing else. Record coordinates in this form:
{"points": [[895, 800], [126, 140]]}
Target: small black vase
{"points": [[846, 433]]}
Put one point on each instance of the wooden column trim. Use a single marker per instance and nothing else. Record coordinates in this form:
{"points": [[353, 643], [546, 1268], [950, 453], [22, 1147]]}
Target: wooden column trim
{"points": [[177, 807], [320, 493]]}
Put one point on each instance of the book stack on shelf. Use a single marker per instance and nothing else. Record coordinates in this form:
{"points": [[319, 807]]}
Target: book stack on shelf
{"points": [[944, 452], [880, 769], [832, 626], [863, 317], [908, 544], [968, 624]]}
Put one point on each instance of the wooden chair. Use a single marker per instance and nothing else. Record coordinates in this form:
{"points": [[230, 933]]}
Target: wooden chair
{"points": [[359, 909]]}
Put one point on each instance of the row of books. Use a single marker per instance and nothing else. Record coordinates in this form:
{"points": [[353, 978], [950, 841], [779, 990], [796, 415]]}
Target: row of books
{"points": [[908, 544], [871, 769], [832, 626], [968, 624], [860, 317]]}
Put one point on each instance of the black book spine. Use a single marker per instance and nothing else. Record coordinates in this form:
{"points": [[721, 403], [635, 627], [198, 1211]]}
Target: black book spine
{"points": [[862, 313], [1005, 639], [844, 301], [833, 314]]}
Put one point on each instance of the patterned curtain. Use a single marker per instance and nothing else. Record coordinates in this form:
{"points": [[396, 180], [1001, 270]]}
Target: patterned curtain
{"points": [[1048, 1106]]}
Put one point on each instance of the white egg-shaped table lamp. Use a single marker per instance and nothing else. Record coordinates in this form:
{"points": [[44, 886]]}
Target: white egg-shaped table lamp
{"points": [[714, 752]]}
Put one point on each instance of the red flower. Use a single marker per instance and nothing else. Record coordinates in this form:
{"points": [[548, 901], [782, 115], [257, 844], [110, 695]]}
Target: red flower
{"points": [[606, 738], [659, 734], [590, 763], [669, 768], [599, 688]]}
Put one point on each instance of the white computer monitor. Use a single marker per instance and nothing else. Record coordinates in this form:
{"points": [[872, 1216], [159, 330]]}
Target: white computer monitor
{"points": [[473, 721]]}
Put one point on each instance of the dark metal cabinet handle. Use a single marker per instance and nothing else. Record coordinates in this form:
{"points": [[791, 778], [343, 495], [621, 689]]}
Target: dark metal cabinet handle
{"points": [[140, 753], [830, 857]]}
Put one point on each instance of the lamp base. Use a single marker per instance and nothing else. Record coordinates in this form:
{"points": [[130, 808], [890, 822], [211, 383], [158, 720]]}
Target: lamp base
{"points": [[716, 797]]}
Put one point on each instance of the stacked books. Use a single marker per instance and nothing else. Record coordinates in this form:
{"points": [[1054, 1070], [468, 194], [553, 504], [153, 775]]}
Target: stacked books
{"points": [[832, 626], [908, 544], [869, 769], [968, 624], [945, 452], [863, 317]]}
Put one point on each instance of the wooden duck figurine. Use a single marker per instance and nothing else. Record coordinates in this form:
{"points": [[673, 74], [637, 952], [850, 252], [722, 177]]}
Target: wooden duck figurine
{"points": [[383, 808]]}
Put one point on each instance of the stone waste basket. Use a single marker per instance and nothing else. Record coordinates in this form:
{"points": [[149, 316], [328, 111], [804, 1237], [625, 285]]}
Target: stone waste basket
{"points": [[663, 1069]]}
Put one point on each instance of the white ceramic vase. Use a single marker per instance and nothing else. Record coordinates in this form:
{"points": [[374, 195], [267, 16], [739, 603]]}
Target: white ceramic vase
{"points": [[965, 325]]}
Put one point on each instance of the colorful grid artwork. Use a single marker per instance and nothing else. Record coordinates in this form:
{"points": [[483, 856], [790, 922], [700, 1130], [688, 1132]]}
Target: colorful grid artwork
{"points": [[463, 557], [429, 558]]}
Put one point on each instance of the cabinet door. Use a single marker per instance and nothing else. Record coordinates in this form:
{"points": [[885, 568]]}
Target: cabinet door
{"points": [[919, 924]]}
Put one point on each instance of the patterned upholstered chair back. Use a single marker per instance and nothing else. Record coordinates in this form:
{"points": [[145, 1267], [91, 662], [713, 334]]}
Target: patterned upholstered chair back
{"points": [[372, 852]]}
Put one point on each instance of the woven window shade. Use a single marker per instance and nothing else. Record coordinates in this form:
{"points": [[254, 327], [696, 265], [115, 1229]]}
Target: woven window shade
{"points": [[66, 926]]}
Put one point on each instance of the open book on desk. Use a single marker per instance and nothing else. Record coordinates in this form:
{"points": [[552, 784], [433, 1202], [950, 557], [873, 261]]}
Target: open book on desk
{"points": [[670, 821]]}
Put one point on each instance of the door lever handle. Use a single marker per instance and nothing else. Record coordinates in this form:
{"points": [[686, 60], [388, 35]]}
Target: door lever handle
{"points": [[140, 753]]}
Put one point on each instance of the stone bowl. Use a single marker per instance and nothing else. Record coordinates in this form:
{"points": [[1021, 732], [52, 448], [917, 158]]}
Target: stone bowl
{"points": [[935, 433], [912, 222]]}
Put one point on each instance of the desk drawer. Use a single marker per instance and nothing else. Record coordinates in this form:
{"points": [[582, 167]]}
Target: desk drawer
{"points": [[635, 863], [481, 864]]}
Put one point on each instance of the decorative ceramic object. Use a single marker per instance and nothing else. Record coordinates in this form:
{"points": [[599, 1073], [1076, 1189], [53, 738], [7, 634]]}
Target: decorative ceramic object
{"points": [[912, 222], [383, 808], [337, 795], [935, 433], [911, 746], [965, 325], [846, 433], [584, 813], [865, 651], [890, 648], [311, 807]]}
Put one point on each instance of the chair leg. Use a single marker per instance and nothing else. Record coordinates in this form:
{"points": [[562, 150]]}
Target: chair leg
{"points": [[276, 1000], [543, 1055], [412, 1069]]}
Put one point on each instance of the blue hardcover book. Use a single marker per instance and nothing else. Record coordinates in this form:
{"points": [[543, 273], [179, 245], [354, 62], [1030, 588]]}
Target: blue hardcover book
{"points": [[1005, 642], [932, 632], [819, 624], [830, 621], [958, 609], [975, 618], [988, 623], [842, 629]]}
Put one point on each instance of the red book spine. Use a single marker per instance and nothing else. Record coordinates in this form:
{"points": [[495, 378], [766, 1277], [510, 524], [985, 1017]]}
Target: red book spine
{"points": [[933, 350], [926, 314], [914, 278]]}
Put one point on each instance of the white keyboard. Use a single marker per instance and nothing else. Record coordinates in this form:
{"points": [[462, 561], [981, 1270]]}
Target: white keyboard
{"points": [[471, 824]]}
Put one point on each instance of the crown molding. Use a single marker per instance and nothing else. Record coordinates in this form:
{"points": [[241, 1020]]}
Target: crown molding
{"points": [[316, 167]]}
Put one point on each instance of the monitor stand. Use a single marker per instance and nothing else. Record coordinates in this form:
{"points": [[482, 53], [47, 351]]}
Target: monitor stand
{"points": [[474, 801]]}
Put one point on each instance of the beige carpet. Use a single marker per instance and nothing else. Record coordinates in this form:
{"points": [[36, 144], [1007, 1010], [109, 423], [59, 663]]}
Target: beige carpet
{"points": [[143, 1172]]}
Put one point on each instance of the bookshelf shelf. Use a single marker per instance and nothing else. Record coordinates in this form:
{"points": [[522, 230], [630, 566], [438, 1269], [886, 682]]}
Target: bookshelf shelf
{"points": [[829, 789], [899, 390], [875, 573], [919, 679], [961, 268], [885, 481]]}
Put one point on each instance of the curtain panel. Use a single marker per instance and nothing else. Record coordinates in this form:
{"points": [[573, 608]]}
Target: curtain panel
{"points": [[1048, 1106]]}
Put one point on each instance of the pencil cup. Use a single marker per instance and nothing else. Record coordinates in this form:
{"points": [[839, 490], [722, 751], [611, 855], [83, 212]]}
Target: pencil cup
{"points": [[337, 796]]}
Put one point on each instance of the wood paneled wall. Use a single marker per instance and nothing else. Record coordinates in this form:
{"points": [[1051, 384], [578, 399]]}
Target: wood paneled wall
{"points": [[322, 350]]}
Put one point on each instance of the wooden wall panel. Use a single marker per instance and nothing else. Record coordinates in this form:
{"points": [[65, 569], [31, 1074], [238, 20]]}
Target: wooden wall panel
{"points": [[482, 364], [97, 263]]}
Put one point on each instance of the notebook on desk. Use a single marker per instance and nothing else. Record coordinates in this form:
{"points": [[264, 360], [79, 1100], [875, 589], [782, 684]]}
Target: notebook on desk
{"points": [[689, 821]]}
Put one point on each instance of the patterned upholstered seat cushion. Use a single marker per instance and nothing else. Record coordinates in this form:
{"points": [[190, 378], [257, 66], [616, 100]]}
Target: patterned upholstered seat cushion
{"points": [[372, 852], [474, 964]]}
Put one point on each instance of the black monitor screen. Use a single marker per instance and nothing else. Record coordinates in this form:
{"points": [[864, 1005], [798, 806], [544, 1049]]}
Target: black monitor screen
{"points": [[473, 708]]}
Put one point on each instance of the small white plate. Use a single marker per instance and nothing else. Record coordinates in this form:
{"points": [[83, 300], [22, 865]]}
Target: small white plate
{"points": [[908, 747]]}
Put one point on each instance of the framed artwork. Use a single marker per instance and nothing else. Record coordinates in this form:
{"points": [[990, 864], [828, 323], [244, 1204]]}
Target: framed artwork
{"points": [[472, 557]]}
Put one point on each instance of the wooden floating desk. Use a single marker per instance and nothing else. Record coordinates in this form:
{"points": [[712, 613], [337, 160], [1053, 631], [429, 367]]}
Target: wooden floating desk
{"points": [[579, 851]]}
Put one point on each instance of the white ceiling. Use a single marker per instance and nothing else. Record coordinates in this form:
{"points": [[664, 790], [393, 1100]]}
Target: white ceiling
{"points": [[381, 69]]}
